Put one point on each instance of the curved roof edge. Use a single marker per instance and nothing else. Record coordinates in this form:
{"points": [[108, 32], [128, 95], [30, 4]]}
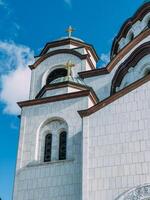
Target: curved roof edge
{"points": [[138, 15], [59, 51], [73, 41], [132, 60], [117, 58], [67, 84]]}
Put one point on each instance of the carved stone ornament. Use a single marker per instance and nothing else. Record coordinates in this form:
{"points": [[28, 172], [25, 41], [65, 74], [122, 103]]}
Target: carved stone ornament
{"points": [[141, 192]]}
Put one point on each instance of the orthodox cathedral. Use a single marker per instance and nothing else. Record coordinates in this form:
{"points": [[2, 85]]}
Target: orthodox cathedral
{"points": [[85, 131]]}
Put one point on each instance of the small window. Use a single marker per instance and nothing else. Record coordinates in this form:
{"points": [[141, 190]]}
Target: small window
{"points": [[57, 73], [48, 148], [62, 145]]}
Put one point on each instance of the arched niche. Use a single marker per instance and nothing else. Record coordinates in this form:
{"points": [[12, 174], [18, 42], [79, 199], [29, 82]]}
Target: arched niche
{"points": [[129, 37], [135, 73], [52, 126], [134, 68], [141, 15], [141, 192]]}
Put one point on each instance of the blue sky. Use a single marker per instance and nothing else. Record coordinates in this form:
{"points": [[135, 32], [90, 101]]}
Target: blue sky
{"points": [[25, 27]]}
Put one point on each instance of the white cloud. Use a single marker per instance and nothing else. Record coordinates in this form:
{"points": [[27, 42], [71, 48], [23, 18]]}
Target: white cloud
{"points": [[68, 2], [14, 74], [105, 59]]}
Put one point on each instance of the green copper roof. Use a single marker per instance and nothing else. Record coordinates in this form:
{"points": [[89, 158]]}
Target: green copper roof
{"points": [[70, 79]]}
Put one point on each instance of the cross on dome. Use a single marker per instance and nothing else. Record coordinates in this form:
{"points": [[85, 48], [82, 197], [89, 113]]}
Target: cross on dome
{"points": [[69, 66], [70, 30]]}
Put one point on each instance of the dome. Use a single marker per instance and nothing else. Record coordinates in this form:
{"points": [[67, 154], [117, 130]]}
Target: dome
{"points": [[70, 79], [74, 38]]}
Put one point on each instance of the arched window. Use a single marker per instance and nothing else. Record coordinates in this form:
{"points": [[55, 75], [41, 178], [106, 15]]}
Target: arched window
{"points": [[48, 148], [62, 145], [57, 73]]}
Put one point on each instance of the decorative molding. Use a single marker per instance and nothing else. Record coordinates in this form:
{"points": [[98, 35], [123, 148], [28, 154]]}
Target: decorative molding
{"points": [[53, 162], [58, 86], [62, 51], [69, 41], [58, 98], [139, 15], [141, 192], [117, 58], [94, 72], [66, 84], [114, 97], [131, 62]]}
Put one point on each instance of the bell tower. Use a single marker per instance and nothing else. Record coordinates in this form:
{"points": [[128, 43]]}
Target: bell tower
{"points": [[49, 163]]}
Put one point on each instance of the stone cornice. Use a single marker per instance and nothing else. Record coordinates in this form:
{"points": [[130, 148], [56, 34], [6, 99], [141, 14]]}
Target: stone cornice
{"points": [[63, 51], [70, 41], [114, 97], [94, 72], [58, 98], [67, 84]]}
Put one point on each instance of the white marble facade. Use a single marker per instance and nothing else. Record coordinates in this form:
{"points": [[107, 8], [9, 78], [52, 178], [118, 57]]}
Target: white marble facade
{"points": [[108, 152], [117, 138]]}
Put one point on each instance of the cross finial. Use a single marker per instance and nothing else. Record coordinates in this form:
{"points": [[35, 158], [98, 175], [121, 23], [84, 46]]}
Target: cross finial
{"points": [[70, 30], [69, 66]]}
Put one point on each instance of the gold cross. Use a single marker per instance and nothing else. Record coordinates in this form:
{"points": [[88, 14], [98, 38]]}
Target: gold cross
{"points": [[69, 66], [70, 30]]}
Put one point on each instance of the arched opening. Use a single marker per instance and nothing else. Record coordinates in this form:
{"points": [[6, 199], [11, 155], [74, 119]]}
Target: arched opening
{"points": [[62, 145], [57, 73], [48, 148], [52, 139], [132, 69]]}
